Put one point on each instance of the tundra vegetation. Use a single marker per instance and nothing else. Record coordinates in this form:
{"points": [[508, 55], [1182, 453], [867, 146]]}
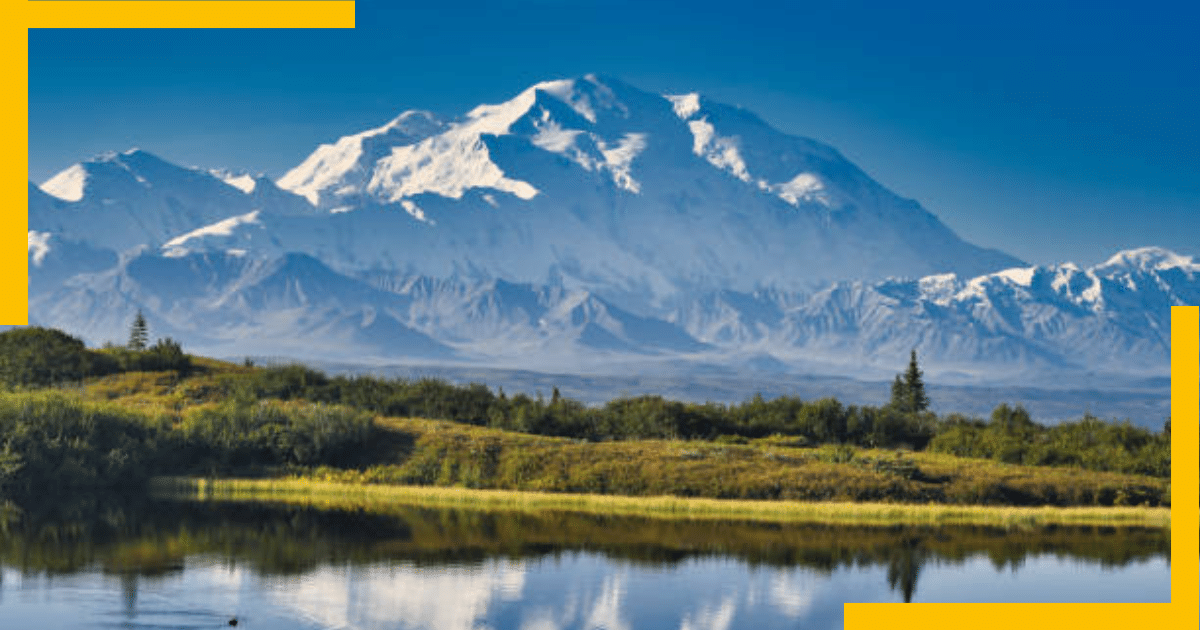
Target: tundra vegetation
{"points": [[77, 418]]}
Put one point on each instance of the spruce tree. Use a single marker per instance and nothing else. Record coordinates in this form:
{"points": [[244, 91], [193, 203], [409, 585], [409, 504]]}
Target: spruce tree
{"points": [[908, 390], [914, 386], [139, 333], [899, 393]]}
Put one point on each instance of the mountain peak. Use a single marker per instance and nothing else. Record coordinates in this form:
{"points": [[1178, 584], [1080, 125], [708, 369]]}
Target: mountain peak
{"points": [[114, 156], [346, 163], [586, 176], [592, 97], [134, 198], [68, 184], [415, 122], [136, 158], [71, 183], [1149, 258]]}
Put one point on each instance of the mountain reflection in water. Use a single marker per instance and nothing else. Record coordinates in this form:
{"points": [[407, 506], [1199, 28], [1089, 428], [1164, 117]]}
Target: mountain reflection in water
{"points": [[195, 563]]}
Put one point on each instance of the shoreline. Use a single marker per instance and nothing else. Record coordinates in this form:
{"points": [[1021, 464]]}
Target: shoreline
{"points": [[379, 497]]}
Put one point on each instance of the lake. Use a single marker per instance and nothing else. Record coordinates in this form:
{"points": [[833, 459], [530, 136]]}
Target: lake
{"points": [[108, 562]]}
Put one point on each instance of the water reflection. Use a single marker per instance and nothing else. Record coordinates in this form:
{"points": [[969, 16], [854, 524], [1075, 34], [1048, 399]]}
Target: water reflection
{"points": [[408, 596], [185, 563]]}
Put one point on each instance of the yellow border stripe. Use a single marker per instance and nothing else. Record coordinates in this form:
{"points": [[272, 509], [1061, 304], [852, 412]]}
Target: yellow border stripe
{"points": [[188, 14], [14, 172], [14, 67], [1182, 612], [1185, 461]]}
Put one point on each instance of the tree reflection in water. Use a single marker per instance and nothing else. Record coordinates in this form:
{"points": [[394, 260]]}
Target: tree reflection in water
{"points": [[142, 537]]}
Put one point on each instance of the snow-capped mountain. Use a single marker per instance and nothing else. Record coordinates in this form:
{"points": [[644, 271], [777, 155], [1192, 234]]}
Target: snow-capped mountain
{"points": [[1110, 318], [296, 305], [234, 304], [344, 169], [119, 201], [1113, 317], [637, 195], [582, 223]]}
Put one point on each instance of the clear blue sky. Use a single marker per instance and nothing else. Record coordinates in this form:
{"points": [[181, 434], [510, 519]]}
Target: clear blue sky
{"points": [[1054, 132]]}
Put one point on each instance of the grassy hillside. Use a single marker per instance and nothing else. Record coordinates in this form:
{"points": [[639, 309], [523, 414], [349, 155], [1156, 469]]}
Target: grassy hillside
{"points": [[220, 419], [424, 452]]}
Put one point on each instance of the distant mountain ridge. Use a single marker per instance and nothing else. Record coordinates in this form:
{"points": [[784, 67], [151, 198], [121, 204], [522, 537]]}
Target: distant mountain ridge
{"points": [[583, 224], [1113, 317]]}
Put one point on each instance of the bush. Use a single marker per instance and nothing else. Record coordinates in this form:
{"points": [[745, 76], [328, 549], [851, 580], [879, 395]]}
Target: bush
{"points": [[165, 354], [54, 441], [1012, 437], [244, 433], [38, 357]]}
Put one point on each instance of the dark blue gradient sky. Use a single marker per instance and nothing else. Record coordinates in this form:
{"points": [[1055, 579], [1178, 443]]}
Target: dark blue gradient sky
{"points": [[1052, 131]]}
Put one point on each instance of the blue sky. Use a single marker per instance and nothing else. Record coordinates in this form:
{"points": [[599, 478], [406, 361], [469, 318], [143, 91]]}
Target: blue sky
{"points": [[1053, 132]]}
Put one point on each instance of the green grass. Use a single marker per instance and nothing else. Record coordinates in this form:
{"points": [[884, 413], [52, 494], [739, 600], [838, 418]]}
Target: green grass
{"points": [[436, 453], [376, 498]]}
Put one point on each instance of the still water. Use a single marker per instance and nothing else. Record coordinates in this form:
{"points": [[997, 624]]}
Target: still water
{"points": [[155, 564]]}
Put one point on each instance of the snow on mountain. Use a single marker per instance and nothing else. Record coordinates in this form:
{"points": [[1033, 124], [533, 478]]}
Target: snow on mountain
{"points": [[224, 227], [633, 195], [213, 300], [1113, 317], [1145, 259], [241, 181], [39, 241], [222, 302], [39, 246], [1018, 323], [53, 259], [493, 317], [120, 201], [583, 221], [343, 168], [69, 184]]}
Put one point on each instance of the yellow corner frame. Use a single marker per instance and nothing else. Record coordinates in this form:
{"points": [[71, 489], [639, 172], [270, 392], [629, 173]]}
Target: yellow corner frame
{"points": [[1184, 609], [1182, 612], [22, 15]]}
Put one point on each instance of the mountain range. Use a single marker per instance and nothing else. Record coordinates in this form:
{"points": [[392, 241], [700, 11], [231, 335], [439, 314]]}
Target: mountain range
{"points": [[582, 226]]}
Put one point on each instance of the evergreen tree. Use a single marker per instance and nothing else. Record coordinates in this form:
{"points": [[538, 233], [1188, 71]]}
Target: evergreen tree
{"points": [[899, 393], [908, 390], [917, 399], [139, 333]]}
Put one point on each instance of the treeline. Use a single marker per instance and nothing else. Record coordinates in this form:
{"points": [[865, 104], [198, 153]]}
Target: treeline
{"points": [[55, 441], [33, 357], [1009, 436], [634, 418]]}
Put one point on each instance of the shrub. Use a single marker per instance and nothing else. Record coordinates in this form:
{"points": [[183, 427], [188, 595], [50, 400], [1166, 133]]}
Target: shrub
{"points": [[54, 441], [242, 433], [37, 357]]}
